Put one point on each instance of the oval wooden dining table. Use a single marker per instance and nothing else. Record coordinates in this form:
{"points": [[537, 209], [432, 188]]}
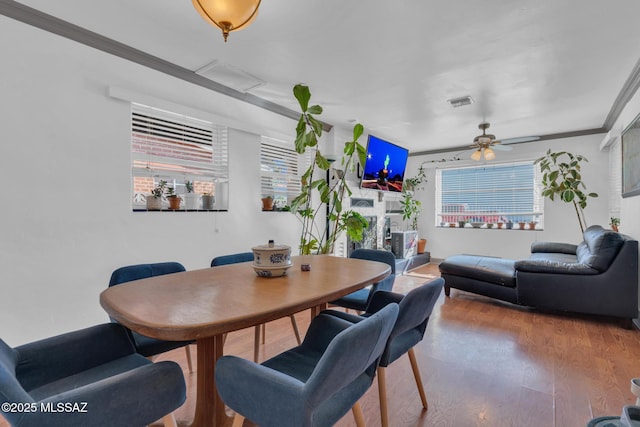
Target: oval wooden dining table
{"points": [[203, 305]]}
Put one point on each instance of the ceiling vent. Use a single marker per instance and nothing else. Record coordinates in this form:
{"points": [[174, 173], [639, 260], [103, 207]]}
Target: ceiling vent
{"points": [[230, 76], [461, 101]]}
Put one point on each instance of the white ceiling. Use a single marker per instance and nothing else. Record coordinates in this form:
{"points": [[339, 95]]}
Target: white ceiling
{"points": [[534, 67]]}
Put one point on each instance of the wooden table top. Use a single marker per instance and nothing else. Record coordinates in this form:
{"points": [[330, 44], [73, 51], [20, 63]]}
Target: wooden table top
{"points": [[203, 303]]}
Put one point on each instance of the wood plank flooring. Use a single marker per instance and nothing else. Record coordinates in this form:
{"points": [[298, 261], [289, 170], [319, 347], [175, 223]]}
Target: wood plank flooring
{"points": [[484, 363]]}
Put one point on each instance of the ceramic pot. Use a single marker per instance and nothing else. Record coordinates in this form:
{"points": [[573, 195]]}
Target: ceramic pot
{"points": [[422, 243], [191, 201], [154, 203], [174, 202], [207, 202]]}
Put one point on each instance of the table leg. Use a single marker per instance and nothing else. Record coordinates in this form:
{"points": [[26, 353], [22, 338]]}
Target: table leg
{"points": [[315, 310], [210, 409]]}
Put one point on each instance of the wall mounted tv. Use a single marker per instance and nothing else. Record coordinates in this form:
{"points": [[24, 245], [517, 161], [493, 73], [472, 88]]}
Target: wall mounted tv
{"points": [[384, 166]]}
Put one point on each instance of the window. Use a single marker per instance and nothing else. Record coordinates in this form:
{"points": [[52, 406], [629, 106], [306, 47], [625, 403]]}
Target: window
{"points": [[490, 193], [281, 168], [175, 148]]}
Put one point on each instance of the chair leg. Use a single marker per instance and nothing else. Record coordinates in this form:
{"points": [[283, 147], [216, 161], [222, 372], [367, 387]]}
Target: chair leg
{"points": [[238, 421], [187, 350], [382, 392], [169, 420], [256, 343], [264, 332], [357, 414], [416, 374], [294, 325]]}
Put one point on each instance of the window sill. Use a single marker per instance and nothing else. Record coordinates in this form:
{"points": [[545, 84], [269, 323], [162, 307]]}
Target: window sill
{"points": [[181, 210]]}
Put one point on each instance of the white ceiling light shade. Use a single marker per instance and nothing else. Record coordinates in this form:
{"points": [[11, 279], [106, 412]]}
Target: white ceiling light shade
{"points": [[487, 153], [228, 15]]}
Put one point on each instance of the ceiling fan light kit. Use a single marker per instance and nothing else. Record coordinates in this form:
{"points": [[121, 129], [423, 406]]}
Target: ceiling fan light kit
{"points": [[228, 15], [484, 142]]}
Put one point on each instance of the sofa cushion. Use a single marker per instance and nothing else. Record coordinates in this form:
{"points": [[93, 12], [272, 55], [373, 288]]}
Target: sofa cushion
{"points": [[498, 271], [599, 247], [553, 247], [557, 257], [553, 267]]}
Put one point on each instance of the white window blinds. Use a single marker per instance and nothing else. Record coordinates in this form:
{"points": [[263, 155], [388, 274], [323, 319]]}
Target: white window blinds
{"points": [[489, 193], [175, 145], [176, 148], [281, 168]]}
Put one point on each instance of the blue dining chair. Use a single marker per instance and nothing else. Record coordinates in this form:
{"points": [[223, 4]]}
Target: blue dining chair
{"points": [[91, 377], [314, 384], [148, 346], [359, 300], [246, 257], [415, 309]]}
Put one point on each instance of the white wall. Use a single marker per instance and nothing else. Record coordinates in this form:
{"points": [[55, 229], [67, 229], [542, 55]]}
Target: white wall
{"points": [[560, 221], [66, 169]]}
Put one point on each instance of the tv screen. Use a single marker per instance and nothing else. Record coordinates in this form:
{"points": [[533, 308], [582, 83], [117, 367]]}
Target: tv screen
{"points": [[384, 166]]}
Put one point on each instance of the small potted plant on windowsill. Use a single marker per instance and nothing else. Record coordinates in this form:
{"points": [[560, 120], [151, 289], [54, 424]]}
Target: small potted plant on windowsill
{"points": [[462, 223], [267, 203], [173, 198], [509, 224], [615, 222], [207, 201], [190, 198], [154, 200]]}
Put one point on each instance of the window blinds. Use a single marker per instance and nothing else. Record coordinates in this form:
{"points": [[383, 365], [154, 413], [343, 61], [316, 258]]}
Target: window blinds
{"points": [[177, 146], [281, 168], [489, 193]]}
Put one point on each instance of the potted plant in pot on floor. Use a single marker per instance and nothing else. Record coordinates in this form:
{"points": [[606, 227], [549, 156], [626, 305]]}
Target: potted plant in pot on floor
{"points": [[323, 222], [154, 200], [412, 207]]}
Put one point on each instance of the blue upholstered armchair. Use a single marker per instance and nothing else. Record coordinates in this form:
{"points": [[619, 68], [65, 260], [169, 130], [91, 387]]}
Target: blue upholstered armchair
{"points": [[246, 257], [415, 310], [91, 377], [148, 346], [313, 384], [359, 300]]}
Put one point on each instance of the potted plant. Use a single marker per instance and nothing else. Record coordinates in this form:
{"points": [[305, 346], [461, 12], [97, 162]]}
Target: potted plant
{"points": [[324, 222], [462, 223], [411, 207], [508, 224], [500, 224], [615, 222], [207, 201], [190, 198], [532, 225], [173, 198], [267, 203], [562, 177], [489, 225], [522, 224], [154, 200]]}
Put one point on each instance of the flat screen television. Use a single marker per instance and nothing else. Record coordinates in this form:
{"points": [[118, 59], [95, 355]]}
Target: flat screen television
{"points": [[384, 166]]}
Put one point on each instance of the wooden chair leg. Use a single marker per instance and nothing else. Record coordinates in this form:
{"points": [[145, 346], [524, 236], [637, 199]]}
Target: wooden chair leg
{"points": [[382, 392], [264, 332], [256, 343], [357, 414], [294, 325], [416, 375], [169, 420], [187, 350], [238, 421]]}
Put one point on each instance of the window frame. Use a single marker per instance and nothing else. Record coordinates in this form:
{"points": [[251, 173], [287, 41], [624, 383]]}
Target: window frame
{"points": [[490, 215]]}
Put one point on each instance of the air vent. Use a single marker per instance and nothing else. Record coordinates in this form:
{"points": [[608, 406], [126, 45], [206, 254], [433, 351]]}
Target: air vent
{"points": [[461, 101], [230, 76]]}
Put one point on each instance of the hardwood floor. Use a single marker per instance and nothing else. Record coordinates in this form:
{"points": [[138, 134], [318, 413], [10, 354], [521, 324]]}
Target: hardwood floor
{"points": [[484, 363]]}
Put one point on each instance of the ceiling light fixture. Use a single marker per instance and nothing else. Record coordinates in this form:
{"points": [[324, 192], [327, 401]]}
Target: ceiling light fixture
{"points": [[228, 15], [488, 154]]}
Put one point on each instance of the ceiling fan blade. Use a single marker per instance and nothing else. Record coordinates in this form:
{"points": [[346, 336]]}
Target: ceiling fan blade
{"points": [[519, 139], [501, 147]]}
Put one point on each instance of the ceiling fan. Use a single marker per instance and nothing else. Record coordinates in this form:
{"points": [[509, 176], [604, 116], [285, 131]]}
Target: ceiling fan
{"points": [[485, 143]]}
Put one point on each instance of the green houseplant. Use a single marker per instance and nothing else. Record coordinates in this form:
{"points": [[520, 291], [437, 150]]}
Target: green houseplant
{"points": [[154, 200], [323, 222], [173, 198], [411, 207], [562, 178], [614, 222], [191, 199]]}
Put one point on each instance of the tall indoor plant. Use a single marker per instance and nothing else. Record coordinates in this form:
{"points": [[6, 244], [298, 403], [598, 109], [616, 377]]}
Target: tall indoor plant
{"points": [[323, 222], [561, 177], [412, 207]]}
